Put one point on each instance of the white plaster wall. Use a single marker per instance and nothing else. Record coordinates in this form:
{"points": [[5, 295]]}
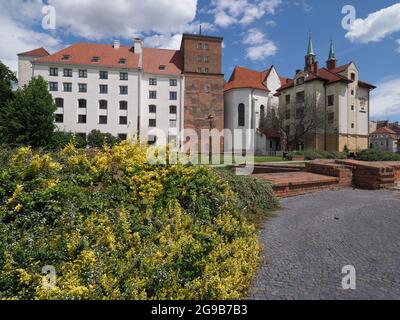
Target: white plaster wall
{"points": [[24, 70]]}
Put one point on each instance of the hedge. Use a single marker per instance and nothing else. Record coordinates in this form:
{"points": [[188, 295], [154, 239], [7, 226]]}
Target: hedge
{"points": [[377, 155], [319, 154], [115, 227]]}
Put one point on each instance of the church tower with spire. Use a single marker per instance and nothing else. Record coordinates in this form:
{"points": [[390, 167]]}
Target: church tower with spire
{"points": [[331, 62], [311, 63]]}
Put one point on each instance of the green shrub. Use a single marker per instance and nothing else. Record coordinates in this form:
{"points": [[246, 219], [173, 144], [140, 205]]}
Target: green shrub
{"points": [[254, 197], [115, 227], [318, 154], [96, 139], [377, 155], [60, 140]]}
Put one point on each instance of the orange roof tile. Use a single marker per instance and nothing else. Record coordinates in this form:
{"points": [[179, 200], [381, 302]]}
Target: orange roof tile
{"points": [[246, 78], [384, 130], [39, 52], [154, 58]]}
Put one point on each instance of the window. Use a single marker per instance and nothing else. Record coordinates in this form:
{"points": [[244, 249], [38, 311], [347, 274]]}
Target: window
{"points": [[173, 82], [352, 125], [59, 118], [300, 81], [205, 70], [353, 76], [173, 95], [300, 113], [287, 114], [103, 104], [199, 59], [82, 104], [95, 59], [122, 136], [123, 105], [66, 57], [102, 119], [262, 112], [53, 72], [82, 118], [172, 123], [103, 89], [241, 115], [103, 75], [161, 67], [123, 90], [53, 86], [199, 70], [331, 117], [68, 73], [200, 46], [172, 109], [300, 97], [123, 76], [59, 103], [331, 100], [152, 94], [152, 108], [172, 140], [82, 87], [287, 99], [352, 92], [151, 140], [82, 73], [122, 61], [123, 120], [206, 59], [152, 123], [352, 108], [67, 87], [152, 82], [206, 46]]}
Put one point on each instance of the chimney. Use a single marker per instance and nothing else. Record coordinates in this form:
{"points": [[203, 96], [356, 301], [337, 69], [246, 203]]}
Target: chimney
{"points": [[117, 44], [138, 49], [331, 64], [314, 67]]}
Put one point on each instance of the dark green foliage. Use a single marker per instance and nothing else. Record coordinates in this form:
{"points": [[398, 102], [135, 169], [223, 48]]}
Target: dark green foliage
{"points": [[96, 139], [377, 155], [6, 78], [28, 119], [255, 198], [60, 139]]}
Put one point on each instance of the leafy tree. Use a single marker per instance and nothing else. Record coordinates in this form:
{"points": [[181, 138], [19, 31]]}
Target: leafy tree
{"points": [[28, 119], [60, 140], [6, 78], [96, 139]]}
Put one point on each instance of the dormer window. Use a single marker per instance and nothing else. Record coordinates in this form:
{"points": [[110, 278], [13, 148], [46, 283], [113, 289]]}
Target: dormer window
{"points": [[66, 57], [300, 81], [95, 59], [122, 61], [161, 67]]}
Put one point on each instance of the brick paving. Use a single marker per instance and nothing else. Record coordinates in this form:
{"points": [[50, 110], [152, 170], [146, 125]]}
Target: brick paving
{"points": [[315, 235]]}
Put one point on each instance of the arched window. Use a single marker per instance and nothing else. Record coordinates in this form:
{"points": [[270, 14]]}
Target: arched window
{"points": [[59, 102], [262, 112], [82, 104], [241, 115], [103, 104]]}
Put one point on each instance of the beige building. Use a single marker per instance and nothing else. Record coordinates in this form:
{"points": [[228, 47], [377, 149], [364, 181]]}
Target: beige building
{"points": [[337, 96]]}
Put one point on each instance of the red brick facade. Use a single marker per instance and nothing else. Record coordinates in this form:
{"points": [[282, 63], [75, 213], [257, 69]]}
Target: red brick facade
{"points": [[204, 84]]}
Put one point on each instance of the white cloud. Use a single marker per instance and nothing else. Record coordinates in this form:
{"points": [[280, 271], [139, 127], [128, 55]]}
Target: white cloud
{"points": [[376, 26], [254, 36], [244, 12], [123, 18], [260, 47], [263, 51], [17, 38], [398, 42], [164, 41], [385, 100]]}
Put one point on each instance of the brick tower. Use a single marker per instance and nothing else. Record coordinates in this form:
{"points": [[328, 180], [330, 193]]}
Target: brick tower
{"points": [[204, 84]]}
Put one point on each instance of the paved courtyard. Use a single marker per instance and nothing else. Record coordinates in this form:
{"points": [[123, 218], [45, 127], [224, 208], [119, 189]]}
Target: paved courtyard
{"points": [[314, 236]]}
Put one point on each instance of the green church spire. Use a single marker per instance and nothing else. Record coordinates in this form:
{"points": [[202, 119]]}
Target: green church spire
{"points": [[310, 50], [332, 55]]}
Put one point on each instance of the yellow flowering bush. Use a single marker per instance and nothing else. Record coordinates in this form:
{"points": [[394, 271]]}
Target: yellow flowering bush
{"points": [[117, 227]]}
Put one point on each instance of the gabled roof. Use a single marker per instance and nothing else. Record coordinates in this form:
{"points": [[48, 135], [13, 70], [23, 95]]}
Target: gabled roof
{"points": [[384, 130], [395, 128], [39, 52], [154, 58], [108, 56], [244, 78]]}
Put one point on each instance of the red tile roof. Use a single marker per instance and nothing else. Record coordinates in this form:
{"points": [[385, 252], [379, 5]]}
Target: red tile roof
{"points": [[154, 58], [243, 78], [40, 52], [384, 130], [83, 53]]}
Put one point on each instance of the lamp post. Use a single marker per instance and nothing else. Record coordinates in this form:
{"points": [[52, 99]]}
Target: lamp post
{"points": [[210, 120]]}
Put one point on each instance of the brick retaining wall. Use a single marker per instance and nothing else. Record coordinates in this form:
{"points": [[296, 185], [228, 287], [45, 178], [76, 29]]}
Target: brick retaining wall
{"points": [[332, 169]]}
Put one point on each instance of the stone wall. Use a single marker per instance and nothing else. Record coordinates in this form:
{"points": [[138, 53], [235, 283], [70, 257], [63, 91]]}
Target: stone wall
{"points": [[330, 168]]}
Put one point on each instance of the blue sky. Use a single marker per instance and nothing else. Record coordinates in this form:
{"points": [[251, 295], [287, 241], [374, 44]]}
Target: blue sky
{"points": [[257, 33]]}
